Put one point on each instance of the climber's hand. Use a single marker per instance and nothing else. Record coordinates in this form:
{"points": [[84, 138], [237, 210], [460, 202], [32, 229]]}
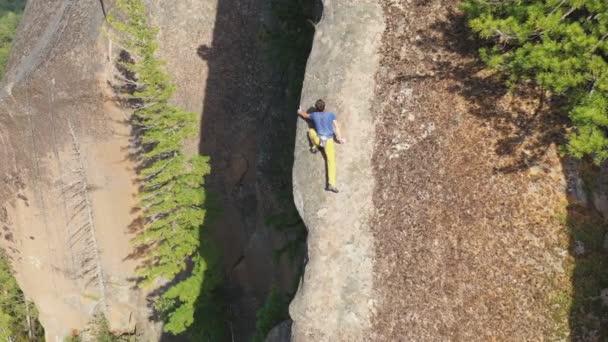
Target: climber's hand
{"points": [[303, 114], [341, 141]]}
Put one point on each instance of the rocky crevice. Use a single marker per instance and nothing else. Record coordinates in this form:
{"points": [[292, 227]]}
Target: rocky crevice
{"points": [[59, 76], [246, 128]]}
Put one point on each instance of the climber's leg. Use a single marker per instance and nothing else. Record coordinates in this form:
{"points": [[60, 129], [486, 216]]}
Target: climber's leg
{"points": [[314, 138], [330, 154]]}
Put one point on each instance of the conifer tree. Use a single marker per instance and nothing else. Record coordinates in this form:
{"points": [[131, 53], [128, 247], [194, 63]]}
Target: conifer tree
{"points": [[561, 46], [171, 194]]}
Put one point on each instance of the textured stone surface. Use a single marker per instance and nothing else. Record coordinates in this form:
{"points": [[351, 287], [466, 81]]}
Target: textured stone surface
{"points": [[604, 297], [280, 333], [57, 77], [579, 248], [58, 74], [121, 320], [335, 298], [60, 70], [575, 188]]}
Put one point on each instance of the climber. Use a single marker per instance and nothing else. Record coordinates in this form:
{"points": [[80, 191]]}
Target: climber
{"points": [[322, 136]]}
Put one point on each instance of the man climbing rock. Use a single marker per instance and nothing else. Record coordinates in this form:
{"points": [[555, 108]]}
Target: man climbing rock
{"points": [[322, 136]]}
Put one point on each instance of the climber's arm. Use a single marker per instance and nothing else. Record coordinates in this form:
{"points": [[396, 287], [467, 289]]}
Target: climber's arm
{"points": [[339, 138], [303, 113]]}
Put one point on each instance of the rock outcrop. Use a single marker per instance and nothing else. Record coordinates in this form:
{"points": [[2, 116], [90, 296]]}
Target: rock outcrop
{"points": [[67, 183], [280, 333], [58, 77], [335, 299]]}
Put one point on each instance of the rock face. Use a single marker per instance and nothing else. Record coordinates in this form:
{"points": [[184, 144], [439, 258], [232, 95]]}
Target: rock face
{"points": [[70, 231], [246, 130], [67, 184], [280, 333], [58, 77], [335, 298]]}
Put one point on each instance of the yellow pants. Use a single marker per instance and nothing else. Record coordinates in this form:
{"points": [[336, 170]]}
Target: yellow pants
{"points": [[330, 155]]}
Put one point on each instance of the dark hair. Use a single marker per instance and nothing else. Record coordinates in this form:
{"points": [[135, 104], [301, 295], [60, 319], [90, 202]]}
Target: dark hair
{"points": [[320, 105]]}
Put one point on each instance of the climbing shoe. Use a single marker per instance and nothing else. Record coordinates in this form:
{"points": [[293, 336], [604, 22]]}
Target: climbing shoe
{"points": [[314, 149], [332, 189]]}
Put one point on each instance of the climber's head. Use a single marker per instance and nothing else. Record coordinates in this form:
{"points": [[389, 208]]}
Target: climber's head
{"points": [[320, 105]]}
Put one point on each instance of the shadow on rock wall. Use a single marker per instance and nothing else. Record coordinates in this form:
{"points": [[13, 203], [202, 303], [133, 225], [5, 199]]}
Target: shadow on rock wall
{"points": [[256, 65]]}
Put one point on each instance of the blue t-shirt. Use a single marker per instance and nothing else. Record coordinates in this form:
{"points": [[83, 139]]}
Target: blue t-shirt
{"points": [[324, 123]]}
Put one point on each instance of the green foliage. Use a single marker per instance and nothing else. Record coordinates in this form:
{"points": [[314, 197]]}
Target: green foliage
{"points": [[75, 338], [10, 15], [13, 314], [210, 317], [171, 195], [101, 331], [559, 45], [274, 311], [6, 331]]}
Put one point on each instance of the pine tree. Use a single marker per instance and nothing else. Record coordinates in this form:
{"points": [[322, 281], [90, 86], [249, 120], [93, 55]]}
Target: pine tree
{"points": [[171, 196], [561, 46]]}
